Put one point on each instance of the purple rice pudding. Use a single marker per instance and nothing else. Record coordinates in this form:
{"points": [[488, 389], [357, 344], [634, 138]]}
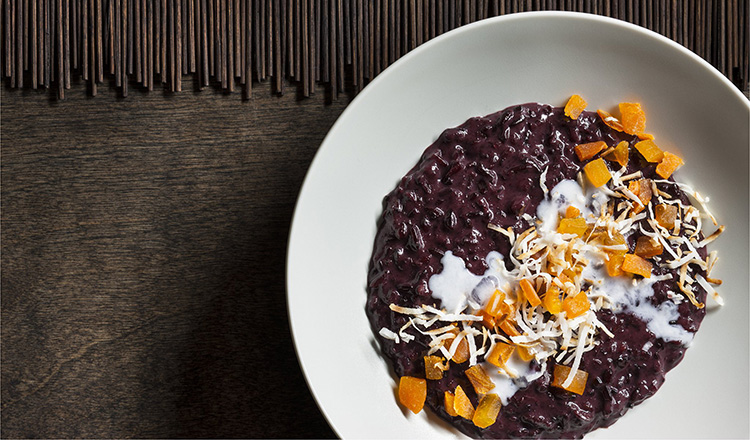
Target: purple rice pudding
{"points": [[503, 267]]}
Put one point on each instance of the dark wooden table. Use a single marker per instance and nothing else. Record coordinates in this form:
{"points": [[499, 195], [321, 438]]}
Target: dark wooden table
{"points": [[143, 263]]}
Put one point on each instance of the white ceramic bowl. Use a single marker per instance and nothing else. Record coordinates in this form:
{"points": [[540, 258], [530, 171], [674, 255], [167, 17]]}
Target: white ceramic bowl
{"points": [[476, 70]]}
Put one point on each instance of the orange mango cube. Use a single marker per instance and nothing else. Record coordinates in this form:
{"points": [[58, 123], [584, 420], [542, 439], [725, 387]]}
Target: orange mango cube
{"points": [[620, 154], [666, 215], [462, 405], [646, 248], [650, 151], [644, 136], [494, 306], [487, 411], [636, 265], [525, 353], [434, 367], [462, 351], [633, 118], [412, 392], [575, 106], [572, 212], [668, 165], [487, 319], [561, 373], [576, 305], [500, 354], [642, 189], [597, 172], [614, 263], [529, 292], [589, 150], [575, 226], [479, 378], [450, 404], [610, 120], [612, 240], [552, 301], [509, 328], [564, 277]]}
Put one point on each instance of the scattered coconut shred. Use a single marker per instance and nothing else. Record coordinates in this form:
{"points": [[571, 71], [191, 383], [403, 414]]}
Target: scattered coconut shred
{"points": [[546, 308]]}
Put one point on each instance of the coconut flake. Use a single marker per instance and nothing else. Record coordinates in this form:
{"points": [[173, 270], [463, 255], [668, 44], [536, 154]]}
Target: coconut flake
{"points": [[387, 334], [543, 181], [710, 238], [710, 290]]}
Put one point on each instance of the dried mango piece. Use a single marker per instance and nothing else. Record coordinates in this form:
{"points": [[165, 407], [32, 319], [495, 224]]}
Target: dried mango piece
{"points": [[650, 151], [509, 328], [449, 404], [572, 212], [487, 319], [564, 277], [642, 189], [669, 163], [644, 136], [572, 226], [462, 405], [613, 239], [589, 150], [666, 215], [597, 172], [412, 392], [462, 351], [574, 107], [576, 305], [434, 367], [494, 306], [487, 411], [500, 353], [610, 120], [646, 248], [614, 263], [525, 353], [552, 301], [620, 154], [633, 118], [636, 265], [479, 378], [561, 373], [529, 292], [505, 308]]}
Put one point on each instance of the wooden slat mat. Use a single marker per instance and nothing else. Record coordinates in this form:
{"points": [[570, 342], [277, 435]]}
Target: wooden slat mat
{"points": [[234, 44]]}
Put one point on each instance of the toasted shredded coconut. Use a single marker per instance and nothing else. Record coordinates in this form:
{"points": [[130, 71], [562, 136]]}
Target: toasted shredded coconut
{"points": [[387, 334], [710, 290], [542, 256]]}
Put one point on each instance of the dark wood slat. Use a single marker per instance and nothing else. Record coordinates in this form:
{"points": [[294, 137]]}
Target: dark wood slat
{"points": [[34, 44], [150, 46], [19, 25], [66, 44], [138, 37], [8, 39], [279, 46], [229, 39], [247, 88], [340, 43], [109, 34]]}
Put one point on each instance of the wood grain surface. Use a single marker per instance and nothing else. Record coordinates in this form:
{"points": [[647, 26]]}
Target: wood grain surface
{"points": [[143, 263]]}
